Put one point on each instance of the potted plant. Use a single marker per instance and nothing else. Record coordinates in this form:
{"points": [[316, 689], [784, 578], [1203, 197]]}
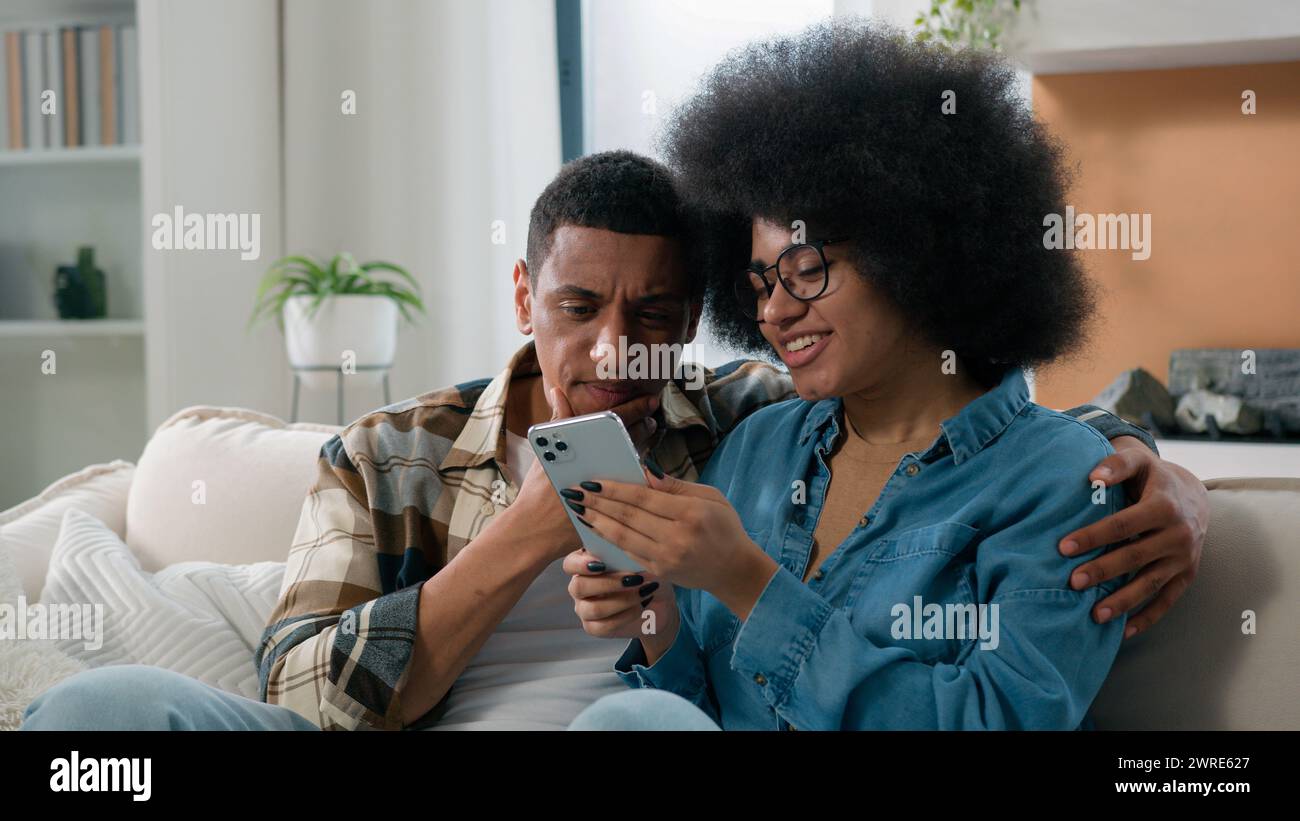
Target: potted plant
{"points": [[977, 24], [326, 310]]}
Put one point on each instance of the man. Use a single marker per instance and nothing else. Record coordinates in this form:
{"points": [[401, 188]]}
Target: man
{"points": [[424, 586]]}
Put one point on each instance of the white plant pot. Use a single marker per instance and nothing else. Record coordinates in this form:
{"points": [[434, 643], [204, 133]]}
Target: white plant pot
{"points": [[364, 326]]}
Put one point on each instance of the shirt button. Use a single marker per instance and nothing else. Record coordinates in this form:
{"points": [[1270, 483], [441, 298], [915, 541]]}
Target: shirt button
{"points": [[913, 469], [864, 521], [820, 574], [760, 679]]}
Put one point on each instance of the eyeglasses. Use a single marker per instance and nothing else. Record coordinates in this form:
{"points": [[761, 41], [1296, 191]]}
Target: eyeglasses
{"points": [[801, 270]]}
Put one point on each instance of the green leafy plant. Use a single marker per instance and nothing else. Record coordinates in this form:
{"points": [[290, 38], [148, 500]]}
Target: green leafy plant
{"points": [[302, 276], [967, 23]]}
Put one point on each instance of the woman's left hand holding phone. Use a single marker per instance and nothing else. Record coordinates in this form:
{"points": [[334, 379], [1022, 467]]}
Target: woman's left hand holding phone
{"points": [[685, 533]]}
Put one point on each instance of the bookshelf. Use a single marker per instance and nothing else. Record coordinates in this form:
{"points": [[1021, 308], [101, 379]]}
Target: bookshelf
{"points": [[59, 328], [54, 199], [69, 156]]}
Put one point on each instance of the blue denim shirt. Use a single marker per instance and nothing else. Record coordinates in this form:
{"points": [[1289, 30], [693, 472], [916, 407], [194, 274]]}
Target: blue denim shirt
{"points": [[947, 607]]}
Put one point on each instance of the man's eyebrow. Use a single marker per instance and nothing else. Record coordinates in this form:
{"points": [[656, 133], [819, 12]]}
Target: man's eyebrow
{"points": [[574, 290], [654, 299]]}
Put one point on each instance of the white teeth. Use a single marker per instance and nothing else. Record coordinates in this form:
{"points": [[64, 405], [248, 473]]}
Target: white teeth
{"points": [[802, 342]]}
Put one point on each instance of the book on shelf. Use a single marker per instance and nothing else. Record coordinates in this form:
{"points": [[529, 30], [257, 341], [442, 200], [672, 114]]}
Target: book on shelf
{"points": [[52, 103], [6, 137], [130, 85], [88, 40], [33, 82], [69, 86]]}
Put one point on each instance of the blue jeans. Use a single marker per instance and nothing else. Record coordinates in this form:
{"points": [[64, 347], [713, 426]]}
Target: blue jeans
{"points": [[643, 709], [140, 697]]}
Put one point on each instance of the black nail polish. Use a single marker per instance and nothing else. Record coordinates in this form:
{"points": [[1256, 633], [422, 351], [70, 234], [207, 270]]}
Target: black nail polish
{"points": [[577, 508], [648, 589], [594, 487], [588, 524], [570, 493], [633, 581], [596, 567], [646, 602], [653, 467]]}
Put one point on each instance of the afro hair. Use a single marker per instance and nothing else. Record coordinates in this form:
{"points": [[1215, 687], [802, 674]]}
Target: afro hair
{"points": [[843, 126]]}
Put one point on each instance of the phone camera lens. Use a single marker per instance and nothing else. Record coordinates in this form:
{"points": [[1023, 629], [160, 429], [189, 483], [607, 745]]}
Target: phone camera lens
{"points": [[541, 441], [560, 446], [548, 456]]}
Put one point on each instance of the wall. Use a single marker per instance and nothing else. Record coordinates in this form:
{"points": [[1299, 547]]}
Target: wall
{"points": [[642, 57], [1223, 189], [210, 122], [456, 126]]}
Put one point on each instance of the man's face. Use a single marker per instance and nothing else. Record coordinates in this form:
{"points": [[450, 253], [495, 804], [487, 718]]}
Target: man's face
{"points": [[594, 287]]}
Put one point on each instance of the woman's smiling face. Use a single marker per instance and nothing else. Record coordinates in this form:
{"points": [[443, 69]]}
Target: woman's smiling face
{"points": [[844, 341]]}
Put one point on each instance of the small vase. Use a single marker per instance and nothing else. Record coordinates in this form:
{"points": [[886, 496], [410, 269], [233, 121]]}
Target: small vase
{"points": [[79, 291]]}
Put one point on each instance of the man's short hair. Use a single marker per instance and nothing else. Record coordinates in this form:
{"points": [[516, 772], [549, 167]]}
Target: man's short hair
{"points": [[614, 190]]}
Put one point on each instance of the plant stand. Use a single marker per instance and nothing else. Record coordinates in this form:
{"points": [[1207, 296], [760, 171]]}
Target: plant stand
{"points": [[297, 369]]}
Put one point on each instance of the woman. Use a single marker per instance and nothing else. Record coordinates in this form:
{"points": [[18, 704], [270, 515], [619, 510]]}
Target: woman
{"points": [[881, 552]]}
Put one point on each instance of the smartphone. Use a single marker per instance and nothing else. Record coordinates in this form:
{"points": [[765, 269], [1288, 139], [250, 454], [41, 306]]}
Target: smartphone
{"points": [[594, 447]]}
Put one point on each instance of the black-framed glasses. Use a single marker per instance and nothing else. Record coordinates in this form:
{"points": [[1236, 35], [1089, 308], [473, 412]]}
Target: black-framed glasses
{"points": [[801, 270]]}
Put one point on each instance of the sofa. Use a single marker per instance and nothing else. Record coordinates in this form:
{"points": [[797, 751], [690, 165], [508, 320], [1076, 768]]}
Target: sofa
{"points": [[185, 549]]}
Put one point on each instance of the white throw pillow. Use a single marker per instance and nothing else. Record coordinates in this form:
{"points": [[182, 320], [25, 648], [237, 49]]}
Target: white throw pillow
{"points": [[221, 485], [30, 529], [201, 619]]}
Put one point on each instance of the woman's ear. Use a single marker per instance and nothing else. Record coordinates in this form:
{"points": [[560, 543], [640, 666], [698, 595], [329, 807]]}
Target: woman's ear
{"points": [[523, 298]]}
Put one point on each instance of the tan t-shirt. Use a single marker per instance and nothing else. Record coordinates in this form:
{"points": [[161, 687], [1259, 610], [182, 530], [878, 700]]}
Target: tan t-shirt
{"points": [[859, 470]]}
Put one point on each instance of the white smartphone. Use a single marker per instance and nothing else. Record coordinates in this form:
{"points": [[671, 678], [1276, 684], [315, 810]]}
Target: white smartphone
{"points": [[594, 447]]}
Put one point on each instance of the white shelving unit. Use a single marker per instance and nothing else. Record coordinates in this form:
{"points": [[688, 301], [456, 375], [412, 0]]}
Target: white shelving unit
{"points": [[1223, 460], [91, 155], [91, 408], [47, 328]]}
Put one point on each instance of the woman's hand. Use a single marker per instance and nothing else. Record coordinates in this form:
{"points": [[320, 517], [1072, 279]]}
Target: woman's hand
{"points": [[682, 533], [1171, 514], [614, 604]]}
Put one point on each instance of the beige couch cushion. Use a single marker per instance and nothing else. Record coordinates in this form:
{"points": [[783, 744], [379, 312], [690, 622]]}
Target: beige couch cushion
{"points": [[1196, 669], [30, 529], [221, 485]]}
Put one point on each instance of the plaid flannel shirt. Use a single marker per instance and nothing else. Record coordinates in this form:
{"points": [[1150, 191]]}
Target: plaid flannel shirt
{"points": [[402, 489]]}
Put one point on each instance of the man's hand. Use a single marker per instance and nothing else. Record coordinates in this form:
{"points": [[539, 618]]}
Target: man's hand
{"points": [[539, 508], [1171, 514]]}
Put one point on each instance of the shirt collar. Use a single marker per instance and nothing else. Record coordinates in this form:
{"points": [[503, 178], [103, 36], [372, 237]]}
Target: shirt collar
{"points": [[483, 438], [676, 408], [822, 412], [980, 422], [969, 432]]}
